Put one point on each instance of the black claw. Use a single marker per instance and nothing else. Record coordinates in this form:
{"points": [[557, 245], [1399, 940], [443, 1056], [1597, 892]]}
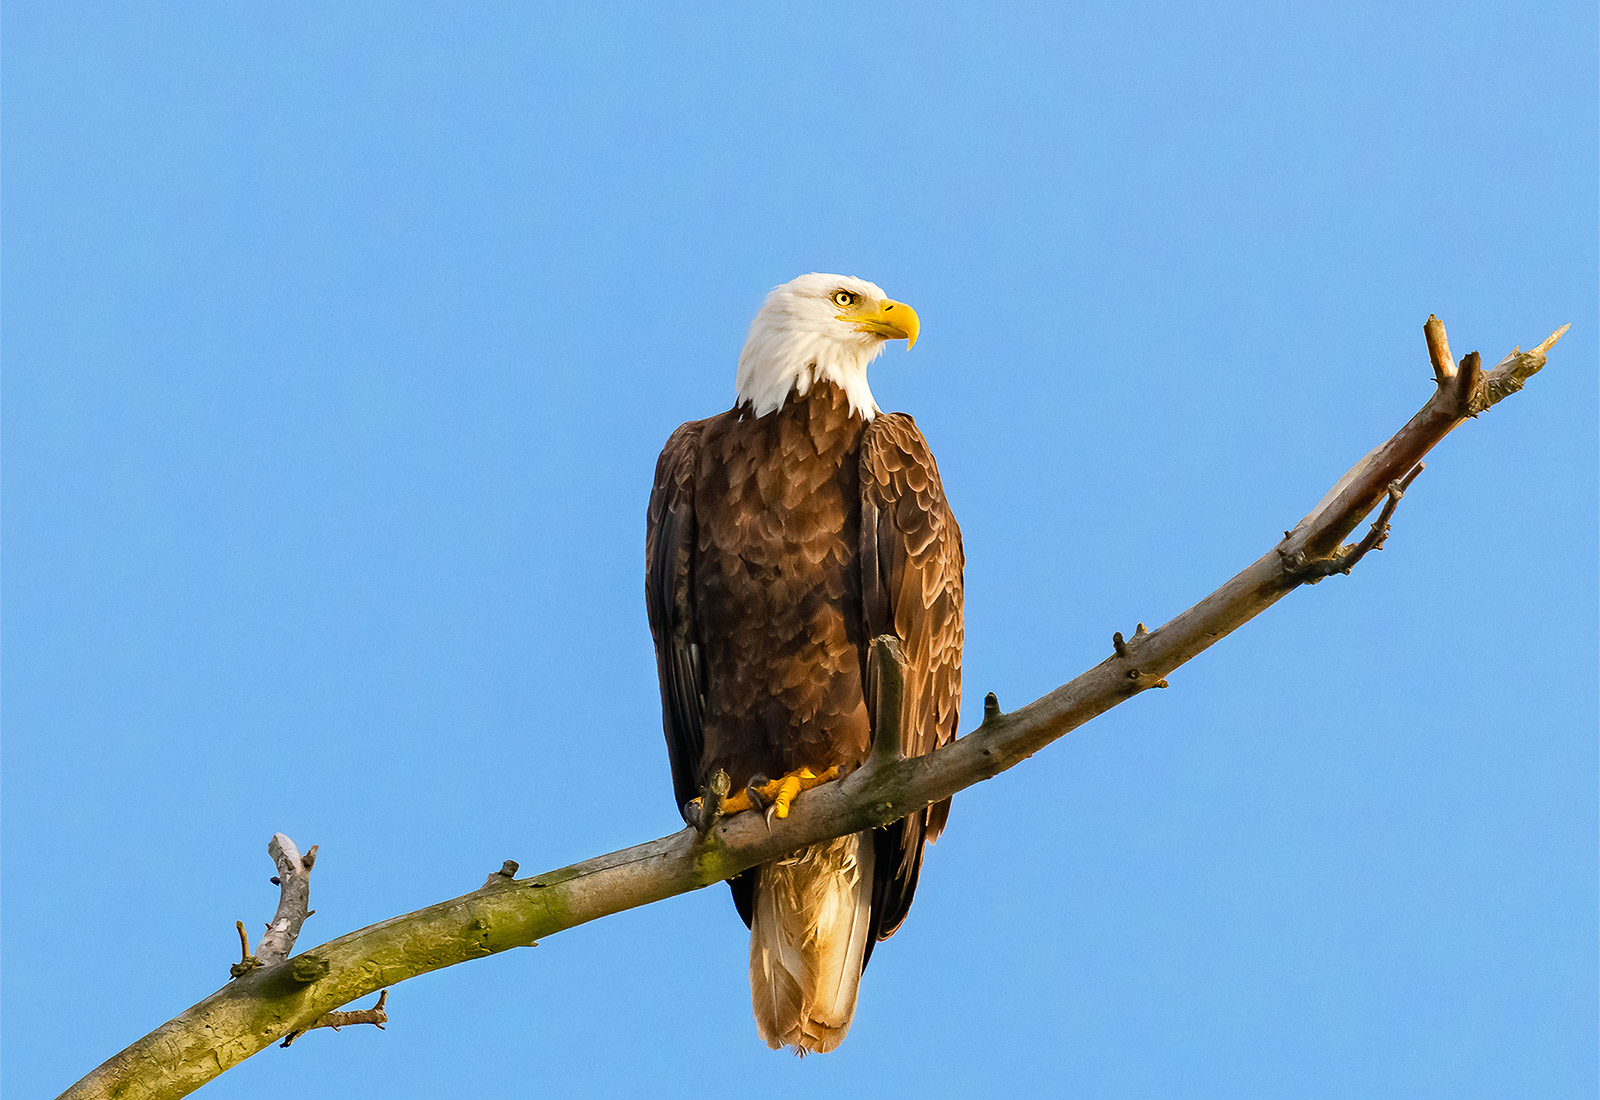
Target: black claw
{"points": [[756, 800]]}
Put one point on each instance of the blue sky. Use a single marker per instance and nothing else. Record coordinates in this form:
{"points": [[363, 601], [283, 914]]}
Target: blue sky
{"points": [[340, 343]]}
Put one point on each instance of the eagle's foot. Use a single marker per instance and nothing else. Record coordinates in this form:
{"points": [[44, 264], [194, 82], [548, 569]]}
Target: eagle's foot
{"points": [[775, 796]]}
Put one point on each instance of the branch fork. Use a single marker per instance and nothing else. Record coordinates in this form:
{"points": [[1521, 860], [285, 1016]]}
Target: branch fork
{"points": [[293, 881], [1308, 571]]}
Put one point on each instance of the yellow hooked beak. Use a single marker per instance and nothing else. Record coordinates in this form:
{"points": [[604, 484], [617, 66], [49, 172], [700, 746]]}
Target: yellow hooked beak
{"points": [[889, 318]]}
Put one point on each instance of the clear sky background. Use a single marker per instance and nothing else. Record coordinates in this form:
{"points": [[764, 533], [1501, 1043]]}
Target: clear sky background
{"points": [[340, 341]]}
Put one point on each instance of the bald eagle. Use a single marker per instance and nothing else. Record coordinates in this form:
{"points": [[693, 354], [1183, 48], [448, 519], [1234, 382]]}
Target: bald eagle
{"points": [[784, 535]]}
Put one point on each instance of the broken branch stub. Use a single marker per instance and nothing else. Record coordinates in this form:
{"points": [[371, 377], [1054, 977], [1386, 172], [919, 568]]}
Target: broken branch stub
{"points": [[294, 899]]}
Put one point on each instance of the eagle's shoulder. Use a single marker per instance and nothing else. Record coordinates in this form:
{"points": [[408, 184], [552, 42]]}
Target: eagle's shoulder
{"points": [[899, 475]]}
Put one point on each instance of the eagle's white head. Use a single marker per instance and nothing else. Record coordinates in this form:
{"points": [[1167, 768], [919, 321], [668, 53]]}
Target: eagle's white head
{"points": [[819, 328]]}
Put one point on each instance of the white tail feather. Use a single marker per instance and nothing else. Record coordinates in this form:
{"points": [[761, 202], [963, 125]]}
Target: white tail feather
{"points": [[807, 939]]}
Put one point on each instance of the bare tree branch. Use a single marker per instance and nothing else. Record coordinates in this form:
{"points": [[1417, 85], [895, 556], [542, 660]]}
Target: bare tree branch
{"points": [[289, 996]]}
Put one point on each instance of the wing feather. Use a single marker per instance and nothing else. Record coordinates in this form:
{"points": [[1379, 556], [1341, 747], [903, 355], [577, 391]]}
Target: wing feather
{"points": [[668, 594], [912, 564]]}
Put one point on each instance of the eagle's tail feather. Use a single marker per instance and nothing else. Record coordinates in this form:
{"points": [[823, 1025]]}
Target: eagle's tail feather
{"points": [[807, 942]]}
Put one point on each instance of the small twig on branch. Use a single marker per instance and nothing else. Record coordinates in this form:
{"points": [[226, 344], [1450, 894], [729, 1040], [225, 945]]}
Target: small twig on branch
{"points": [[1139, 680], [1346, 557], [991, 708], [1124, 646], [374, 1015], [247, 962], [1380, 526]]}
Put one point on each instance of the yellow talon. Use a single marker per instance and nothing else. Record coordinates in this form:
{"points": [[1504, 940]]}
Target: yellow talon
{"points": [[787, 789], [779, 794]]}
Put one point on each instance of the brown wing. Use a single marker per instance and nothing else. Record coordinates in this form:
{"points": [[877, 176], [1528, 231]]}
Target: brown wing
{"points": [[668, 597], [911, 562]]}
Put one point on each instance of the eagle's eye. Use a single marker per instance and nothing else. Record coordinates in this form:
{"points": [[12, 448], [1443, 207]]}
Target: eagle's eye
{"points": [[843, 299]]}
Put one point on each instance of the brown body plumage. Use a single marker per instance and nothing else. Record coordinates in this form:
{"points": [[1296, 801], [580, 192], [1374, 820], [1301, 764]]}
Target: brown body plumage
{"points": [[779, 545]]}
